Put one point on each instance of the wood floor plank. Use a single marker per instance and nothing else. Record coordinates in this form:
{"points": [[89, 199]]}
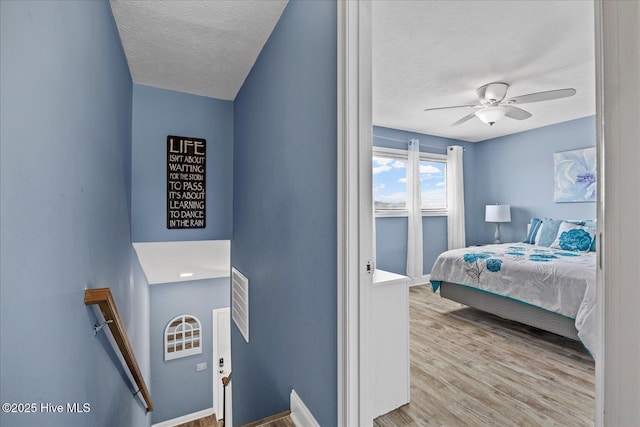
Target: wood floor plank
{"points": [[469, 368], [210, 421]]}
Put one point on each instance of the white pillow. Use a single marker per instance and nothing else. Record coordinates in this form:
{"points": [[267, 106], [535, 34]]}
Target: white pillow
{"points": [[572, 237]]}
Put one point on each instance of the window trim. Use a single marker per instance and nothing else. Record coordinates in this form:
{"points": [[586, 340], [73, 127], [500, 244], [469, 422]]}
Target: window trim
{"points": [[182, 337], [404, 155]]}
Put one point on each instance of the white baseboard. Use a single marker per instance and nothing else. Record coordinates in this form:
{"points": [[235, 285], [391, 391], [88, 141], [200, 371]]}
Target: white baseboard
{"points": [[300, 414], [418, 281], [185, 418]]}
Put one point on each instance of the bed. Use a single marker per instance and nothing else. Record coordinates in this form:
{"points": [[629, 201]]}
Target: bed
{"points": [[550, 288]]}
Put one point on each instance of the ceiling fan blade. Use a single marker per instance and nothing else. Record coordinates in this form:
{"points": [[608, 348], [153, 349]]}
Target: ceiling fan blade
{"points": [[542, 96], [453, 106], [516, 113], [492, 92], [464, 119]]}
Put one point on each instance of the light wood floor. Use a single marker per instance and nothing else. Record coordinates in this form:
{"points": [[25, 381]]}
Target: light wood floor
{"points": [[469, 368], [210, 421], [278, 420]]}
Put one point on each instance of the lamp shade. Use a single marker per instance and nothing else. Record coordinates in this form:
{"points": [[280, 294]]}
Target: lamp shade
{"points": [[490, 115], [497, 213]]}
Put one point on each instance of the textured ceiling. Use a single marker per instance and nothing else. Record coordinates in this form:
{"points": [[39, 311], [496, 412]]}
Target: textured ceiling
{"points": [[203, 47], [425, 54], [436, 53]]}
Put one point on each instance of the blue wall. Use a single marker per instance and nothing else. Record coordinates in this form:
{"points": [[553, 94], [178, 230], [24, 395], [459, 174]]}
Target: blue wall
{"points": [[391, 232], [285, 227], [515, 169], [391, 244], [177, 388], [518, 170], [156, 114], [65, 144]]}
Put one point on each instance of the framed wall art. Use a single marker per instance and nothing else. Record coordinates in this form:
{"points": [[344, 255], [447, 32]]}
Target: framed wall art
{"points": [[574, 175]]}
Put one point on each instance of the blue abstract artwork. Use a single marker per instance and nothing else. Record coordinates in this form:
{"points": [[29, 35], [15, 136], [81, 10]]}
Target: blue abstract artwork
{"points": [[574, 177]]}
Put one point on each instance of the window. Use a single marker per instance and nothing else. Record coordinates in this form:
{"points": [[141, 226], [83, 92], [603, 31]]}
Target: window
{"points": [[433, 184], [390, 182], [182, 337]]}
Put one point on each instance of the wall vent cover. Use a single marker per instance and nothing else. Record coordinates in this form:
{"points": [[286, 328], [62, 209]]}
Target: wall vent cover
{"points": [[240, 302]]}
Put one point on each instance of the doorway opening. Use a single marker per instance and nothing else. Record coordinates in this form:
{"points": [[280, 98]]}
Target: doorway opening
{"points": [[591, 216], [221, 371]]}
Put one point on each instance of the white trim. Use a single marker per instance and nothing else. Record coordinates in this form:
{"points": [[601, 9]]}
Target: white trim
{"points": [[403, 154], [347, 377], [391, 213], [300, 414], [185, 418], [355, 215], [215, 353], [425, 155], [420, 281], [390, 152], [434, 212], [618, 103], [600, 212], [346, 342], [175, 341], [399, 213]]}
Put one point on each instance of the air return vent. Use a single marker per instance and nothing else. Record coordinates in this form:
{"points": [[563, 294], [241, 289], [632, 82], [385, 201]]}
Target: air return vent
{"points": [[240, 302]]}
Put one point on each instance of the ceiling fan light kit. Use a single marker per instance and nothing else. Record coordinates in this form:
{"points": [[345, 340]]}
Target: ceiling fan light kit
{"points": [[493, 92], [490, 115], [493, 106]]}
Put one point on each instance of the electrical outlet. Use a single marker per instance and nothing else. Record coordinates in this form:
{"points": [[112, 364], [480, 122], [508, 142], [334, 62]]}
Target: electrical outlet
{"points": [[201, 366]]}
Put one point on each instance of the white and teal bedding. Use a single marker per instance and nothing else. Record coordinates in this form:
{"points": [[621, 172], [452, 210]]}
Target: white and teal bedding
{"points": [[556, 280]]}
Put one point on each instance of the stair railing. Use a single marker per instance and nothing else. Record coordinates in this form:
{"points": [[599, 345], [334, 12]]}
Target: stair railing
{"points": [[225, 383], [104, 300]]}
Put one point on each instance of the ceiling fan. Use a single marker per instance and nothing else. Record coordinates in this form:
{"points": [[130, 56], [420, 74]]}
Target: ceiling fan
{"points": [[492, 105]]}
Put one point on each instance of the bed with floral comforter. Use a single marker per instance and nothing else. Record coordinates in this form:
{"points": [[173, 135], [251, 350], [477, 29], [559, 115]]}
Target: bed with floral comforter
{"points": [[555, 280]]}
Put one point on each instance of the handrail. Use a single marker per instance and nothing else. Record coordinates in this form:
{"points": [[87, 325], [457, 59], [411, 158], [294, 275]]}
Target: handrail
{"points": [[225, 383], [226, 380], [103, 298]]}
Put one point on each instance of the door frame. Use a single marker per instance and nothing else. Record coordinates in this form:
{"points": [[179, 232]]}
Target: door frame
{"points": [[355, 215], [214, 357], [355, 399], [618, 107]]}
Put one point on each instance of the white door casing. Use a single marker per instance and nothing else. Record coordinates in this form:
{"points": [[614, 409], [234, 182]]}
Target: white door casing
{"points": [[221, 340], [355, 215], [354, 89], [618, 131]]}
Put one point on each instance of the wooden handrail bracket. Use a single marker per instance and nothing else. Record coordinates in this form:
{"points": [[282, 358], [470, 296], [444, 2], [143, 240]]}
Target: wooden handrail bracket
{"points": [[104, 300]]}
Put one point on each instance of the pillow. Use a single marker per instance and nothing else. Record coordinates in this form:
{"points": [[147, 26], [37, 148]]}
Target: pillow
{"points": [[572, 237], [534, 227], [591, 223], [549, 231]]}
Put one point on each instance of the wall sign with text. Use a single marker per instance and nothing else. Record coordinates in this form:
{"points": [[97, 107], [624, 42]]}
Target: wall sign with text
{"points": [[186, 178]]}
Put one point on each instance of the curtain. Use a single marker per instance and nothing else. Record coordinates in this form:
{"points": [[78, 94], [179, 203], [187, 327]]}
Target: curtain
{"points": [[414, 207], [455, 198]]}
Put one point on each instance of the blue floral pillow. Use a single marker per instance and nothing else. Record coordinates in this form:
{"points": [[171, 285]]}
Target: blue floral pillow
{"points": [[549, 231], [572, 237]]}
